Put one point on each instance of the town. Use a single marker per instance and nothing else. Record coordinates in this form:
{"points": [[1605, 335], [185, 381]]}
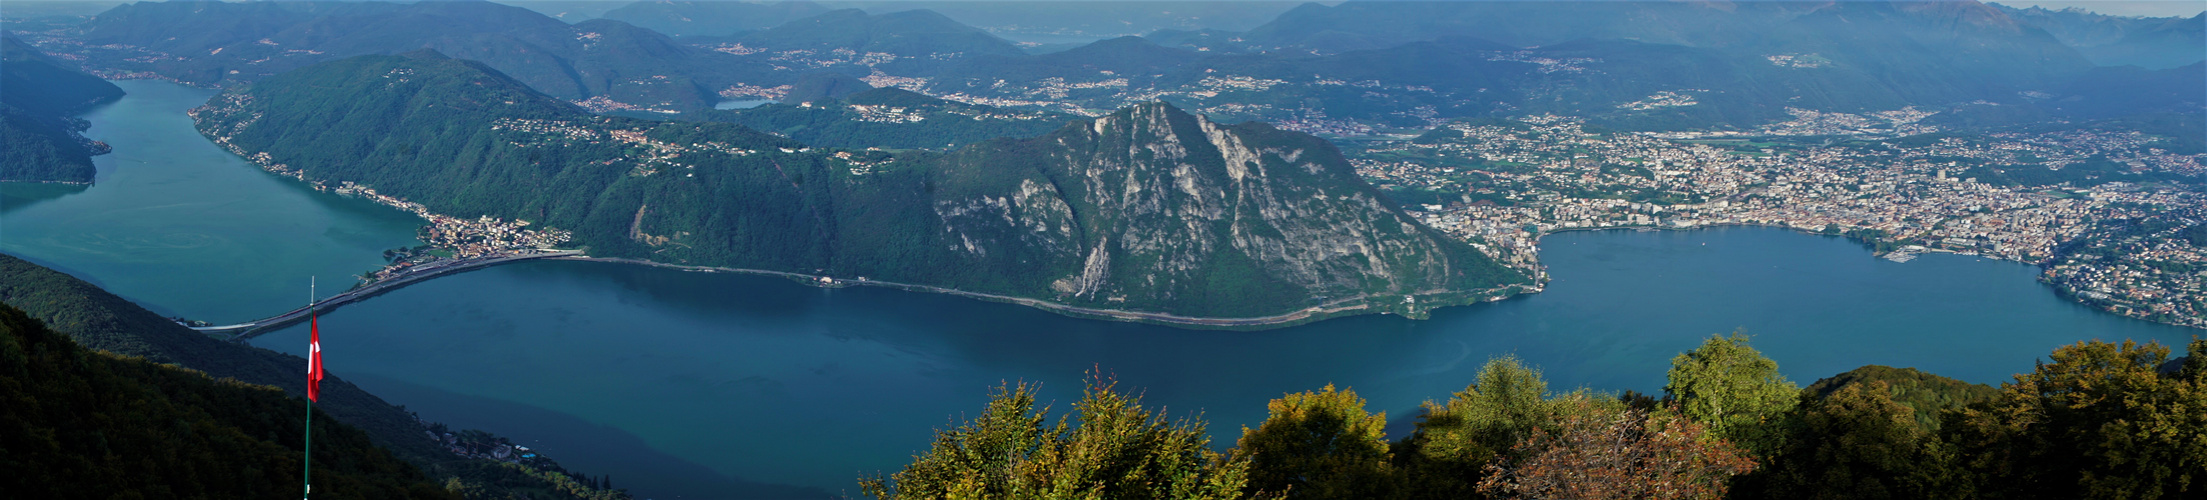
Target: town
{"points": [[2069, 201]]}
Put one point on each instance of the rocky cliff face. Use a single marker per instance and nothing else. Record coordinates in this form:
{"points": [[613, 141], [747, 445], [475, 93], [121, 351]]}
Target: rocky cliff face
{"points": [[1149, 210], [1154, 206]]}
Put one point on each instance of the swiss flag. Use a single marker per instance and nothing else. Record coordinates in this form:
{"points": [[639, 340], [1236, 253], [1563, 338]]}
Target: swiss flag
{"points": [[314, 360]]}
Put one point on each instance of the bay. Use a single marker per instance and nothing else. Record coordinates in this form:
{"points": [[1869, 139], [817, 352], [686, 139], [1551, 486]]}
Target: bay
{"points": [[710, 385]]}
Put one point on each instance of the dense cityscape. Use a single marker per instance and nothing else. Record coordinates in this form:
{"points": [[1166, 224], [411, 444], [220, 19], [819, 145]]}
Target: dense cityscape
{"points": [[2036, 198]]}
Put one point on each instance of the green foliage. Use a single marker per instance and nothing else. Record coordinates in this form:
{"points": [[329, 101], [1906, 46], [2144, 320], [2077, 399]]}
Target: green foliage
{"points": [[1855, 441], [1734, 389], [2098, 421], [38, 138], [1447, 455], [1108, 447], [1319, 445], [101, 321], [1018, 217], [1927, 396], [81, 424]]}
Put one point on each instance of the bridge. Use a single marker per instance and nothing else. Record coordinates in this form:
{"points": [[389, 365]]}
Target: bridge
{"points": [[242, 331]]}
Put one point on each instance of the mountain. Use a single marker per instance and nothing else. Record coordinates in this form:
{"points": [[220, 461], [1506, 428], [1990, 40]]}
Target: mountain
{"points": [[1149, 209], [38, 134], [1358, 68], [1931, 53], [912, 42], [1092, 19], [224, 43], [83, 424], [711, 18], [892, 118], [2148, 42], [1102, 68], [2129, 90], [98, 320]]}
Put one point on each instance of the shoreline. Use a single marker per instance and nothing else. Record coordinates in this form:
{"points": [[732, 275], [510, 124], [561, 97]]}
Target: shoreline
{"points": [[240, 332], [1333, 309]]}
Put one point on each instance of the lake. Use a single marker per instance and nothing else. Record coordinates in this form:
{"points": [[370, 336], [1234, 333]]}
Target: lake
{"points": [[711, 385], [743, 103]]}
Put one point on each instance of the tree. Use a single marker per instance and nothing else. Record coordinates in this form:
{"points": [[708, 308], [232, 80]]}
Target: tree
{"points": [[1318, 445], [1448, 453], [1109, 447], [1856, 442], [1734, 389], [1598, 451], [2100, 421]]}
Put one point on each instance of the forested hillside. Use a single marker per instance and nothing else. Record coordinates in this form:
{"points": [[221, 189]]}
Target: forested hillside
{"points": [[101, 321], [38, 135], [221, 43], [1148, 209], [85, 424], [892, 118], [712, 18]]}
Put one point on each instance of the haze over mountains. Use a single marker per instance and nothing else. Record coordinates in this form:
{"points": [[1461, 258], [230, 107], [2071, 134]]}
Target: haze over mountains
{"points": [[38, 134], [1147, 209], [1635, 65]]}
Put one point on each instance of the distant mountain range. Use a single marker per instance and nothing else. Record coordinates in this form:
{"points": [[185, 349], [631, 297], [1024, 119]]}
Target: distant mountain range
{"points": [[39, 138], [224, 43], [1348, 69], [1148, 209], [712, 18], [2148, 42]]}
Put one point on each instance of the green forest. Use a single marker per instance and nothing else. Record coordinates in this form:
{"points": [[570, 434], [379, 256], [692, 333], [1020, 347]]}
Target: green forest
{"points": [[1020, 217], [39, 138], [87, 424], [2094, 420], [94, 320]]}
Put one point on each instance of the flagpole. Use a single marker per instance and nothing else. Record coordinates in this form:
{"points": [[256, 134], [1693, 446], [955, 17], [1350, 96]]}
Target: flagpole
{"points": [[306, 475]]}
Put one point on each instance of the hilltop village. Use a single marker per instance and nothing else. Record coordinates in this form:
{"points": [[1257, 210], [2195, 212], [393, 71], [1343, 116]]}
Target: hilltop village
{"points": [[2036, 198]]}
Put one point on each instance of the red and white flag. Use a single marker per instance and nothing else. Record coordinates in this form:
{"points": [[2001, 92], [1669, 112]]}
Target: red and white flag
{"points": [[314, 360]]}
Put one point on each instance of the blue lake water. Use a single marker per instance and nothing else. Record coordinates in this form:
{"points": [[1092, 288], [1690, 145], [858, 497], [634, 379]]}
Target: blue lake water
{"points": [[743, 103], [703, 385]]}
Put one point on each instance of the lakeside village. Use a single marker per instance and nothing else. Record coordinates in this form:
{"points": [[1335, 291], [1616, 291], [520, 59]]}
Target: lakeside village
{"points": [[445, 238], [2112, 220]]}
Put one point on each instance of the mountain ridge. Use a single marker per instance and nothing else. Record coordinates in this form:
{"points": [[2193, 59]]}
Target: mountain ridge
{"points": [[1123, 220]]}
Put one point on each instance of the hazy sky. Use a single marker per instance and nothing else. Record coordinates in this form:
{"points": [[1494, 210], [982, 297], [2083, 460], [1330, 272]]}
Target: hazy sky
{"points": [[2119, 7], [2181, 8]]}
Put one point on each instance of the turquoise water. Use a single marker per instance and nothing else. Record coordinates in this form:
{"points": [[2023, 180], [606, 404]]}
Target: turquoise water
{"points": [[186, 228], [700, 385]]}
